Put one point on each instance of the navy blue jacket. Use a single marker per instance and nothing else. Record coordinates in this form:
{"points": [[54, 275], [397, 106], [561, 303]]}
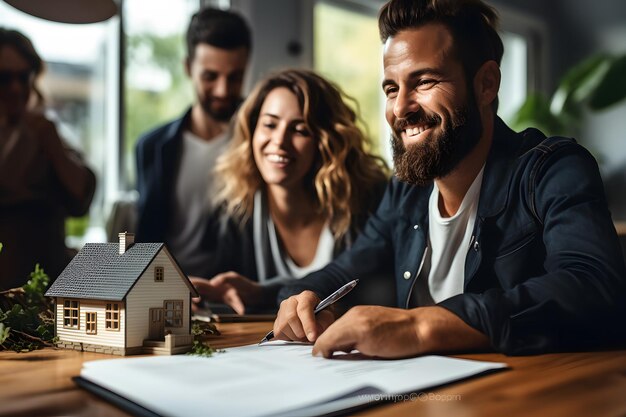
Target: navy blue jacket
{"points": [[158, 154], [544, 271]]}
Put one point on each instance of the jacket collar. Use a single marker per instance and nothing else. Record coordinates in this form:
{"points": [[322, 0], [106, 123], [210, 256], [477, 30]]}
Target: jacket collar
{"points": [[498, 169], [168, 151], [175, 129]]}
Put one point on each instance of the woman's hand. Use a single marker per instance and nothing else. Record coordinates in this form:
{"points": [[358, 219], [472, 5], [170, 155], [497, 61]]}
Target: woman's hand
{"points": [[229, 288]]}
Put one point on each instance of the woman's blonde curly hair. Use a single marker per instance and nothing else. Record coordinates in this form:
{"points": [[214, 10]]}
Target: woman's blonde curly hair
{"points": [[344, 178]]}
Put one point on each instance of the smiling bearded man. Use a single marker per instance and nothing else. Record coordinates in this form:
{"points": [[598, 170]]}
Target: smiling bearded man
{"points": [[491, 239]]}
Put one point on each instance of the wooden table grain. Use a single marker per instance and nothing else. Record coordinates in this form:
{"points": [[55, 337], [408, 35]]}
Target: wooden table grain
{"points": [[565, 384]]}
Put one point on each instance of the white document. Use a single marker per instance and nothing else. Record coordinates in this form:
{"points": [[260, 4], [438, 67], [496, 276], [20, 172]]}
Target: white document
{"points": [[271, 379]]}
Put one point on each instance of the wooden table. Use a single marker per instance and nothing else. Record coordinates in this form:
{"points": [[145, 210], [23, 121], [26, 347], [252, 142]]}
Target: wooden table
{"points": [[567, 384]]}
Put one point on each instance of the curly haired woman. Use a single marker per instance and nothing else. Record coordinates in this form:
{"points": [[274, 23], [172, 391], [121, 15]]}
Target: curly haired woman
{"points": [[296, 184]]}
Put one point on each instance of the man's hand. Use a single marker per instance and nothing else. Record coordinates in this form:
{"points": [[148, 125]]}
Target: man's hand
{"points": [[296, 321], [229, 288], [396, 333]]}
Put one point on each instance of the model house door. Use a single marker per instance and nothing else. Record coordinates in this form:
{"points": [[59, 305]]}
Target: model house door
{"points": [[156, 324]]}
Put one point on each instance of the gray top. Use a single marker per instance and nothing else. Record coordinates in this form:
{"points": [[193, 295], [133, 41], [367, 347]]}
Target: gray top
{"points": [[192, 204]]}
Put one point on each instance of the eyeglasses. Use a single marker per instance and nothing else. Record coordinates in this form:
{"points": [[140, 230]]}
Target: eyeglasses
{"points": [[22, 77]]}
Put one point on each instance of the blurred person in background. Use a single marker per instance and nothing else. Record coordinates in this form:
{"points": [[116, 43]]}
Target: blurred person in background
{"points": [[42, 181]]}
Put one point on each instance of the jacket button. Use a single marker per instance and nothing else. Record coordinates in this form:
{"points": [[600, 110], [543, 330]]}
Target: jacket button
{"points": [[476, 246], [417, 226], [407, 275]]}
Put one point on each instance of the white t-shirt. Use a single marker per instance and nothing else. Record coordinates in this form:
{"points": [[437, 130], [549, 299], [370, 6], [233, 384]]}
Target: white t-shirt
{"points": [[443, 270], [192, 197], [323, 253]]}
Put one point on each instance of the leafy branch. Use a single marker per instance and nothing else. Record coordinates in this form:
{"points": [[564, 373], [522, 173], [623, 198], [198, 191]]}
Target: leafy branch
{"points": [[595, 84], [26, 315]]}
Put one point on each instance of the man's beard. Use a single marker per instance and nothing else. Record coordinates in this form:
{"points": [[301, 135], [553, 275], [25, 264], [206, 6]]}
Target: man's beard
{"points": [[436, 156], [222, 113]]}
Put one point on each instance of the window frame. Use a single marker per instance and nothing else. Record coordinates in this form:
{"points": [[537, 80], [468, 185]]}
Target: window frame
{"points": [[70, 306], [159, 274], [112, 317], [535, 32], [91, 326], [176, 319]]}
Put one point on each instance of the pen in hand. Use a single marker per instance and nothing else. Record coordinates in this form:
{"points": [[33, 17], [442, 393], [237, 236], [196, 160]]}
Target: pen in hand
{"points": [[326, 302]]}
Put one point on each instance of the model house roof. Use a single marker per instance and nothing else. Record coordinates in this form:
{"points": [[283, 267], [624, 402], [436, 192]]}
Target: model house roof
{"points": [[100, 272]]}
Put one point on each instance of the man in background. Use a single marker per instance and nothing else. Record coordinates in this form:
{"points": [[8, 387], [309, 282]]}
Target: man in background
{"points": [[174, 161]]}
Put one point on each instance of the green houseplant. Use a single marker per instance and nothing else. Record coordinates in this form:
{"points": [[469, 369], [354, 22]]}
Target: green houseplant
{"points": [[595, 84]]}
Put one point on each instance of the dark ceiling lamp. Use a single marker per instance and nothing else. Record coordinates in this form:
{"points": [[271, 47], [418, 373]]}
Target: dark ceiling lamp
{"points": [[67, 11]]}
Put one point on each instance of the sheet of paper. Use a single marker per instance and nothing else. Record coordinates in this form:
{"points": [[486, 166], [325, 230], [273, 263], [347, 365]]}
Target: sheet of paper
{"points": [[266, 380]]}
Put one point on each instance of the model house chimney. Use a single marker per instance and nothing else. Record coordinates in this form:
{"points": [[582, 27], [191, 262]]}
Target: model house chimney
{"points": [[126, 241]]}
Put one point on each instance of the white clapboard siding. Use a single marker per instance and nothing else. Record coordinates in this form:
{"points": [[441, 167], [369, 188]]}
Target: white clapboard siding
{"points": [[103, 336], [148, 294]]}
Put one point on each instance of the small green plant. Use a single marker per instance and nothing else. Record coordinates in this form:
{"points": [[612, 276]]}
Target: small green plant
{"points": [[35, 288], [199, 348], [4, 333], [26, 316]]}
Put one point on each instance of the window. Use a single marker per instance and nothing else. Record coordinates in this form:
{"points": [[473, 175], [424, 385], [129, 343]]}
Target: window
{"points": [[90, 323], [514, 67], [71, 311], [173, 313], [347, 50], [158, 273], [112, 317], [156, 89]]}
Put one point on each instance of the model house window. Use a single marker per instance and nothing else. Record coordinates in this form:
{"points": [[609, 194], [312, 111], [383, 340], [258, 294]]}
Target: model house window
{"points": [[90, 323], [158, 273], [173, 313], [71, 314], [112, 318]]}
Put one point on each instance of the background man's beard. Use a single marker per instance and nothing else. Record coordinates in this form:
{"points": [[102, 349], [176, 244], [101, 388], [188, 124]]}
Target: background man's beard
{"points": [[439, 154], [223, 114]]}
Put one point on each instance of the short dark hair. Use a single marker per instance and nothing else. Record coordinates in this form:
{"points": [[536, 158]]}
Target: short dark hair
{"points": [[472, 23], [220, 28]]}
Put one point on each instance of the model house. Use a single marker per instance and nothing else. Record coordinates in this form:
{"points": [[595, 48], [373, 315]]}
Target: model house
{"points": [[123, 299]]}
